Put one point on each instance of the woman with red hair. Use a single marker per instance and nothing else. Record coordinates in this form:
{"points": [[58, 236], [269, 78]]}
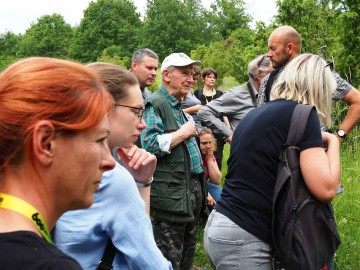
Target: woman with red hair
{"points": [[53, 152]]}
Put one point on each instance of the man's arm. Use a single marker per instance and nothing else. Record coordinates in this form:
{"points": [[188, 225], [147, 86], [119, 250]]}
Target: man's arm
{"points": [[153, 138], [234, 104], [352, 117]]}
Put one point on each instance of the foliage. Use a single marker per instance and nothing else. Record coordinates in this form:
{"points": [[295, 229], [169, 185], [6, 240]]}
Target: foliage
{"points": [[174, 26], [226, 16], [50, 36], [8, 47], [106, 23], [112, 55]]}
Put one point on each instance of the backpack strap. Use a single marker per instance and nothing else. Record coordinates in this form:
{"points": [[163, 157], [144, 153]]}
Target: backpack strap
{"points": [[269, 83], [108, 257], [298, 124]]}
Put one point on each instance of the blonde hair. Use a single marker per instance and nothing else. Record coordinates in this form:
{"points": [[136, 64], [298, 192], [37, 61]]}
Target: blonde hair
{"points": [[308, 80], [206, 130]]}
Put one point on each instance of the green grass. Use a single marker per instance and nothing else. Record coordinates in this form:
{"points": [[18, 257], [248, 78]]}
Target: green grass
{"points": [[346, 206]]}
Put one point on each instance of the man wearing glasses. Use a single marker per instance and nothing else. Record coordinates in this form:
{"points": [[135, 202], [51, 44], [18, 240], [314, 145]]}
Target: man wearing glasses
{"points": [[236, 102], [284, 45], [178, 190]]}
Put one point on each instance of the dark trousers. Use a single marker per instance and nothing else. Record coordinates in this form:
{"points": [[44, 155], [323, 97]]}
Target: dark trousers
{"points": [[177, 241]]}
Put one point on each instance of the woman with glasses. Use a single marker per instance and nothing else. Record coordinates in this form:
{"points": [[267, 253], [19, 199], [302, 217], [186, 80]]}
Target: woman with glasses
{"points": [[238, 230], [53, 152], [118, 215], [207, 145]]}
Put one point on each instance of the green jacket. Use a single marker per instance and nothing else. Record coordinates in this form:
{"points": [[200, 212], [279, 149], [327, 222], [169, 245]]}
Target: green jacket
{"points": [[170, 190]]}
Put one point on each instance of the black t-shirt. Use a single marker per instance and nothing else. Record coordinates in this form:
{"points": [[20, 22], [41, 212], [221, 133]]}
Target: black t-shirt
{"points": [[246, 198], [27, 251], [206, 99]]}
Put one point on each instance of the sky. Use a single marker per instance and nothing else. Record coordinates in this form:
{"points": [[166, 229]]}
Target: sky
{"points": [[17, 15]]}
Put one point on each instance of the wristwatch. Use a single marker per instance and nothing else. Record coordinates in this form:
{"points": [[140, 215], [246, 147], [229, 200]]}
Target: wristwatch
{"points": [[341, 133], [148, 184]]}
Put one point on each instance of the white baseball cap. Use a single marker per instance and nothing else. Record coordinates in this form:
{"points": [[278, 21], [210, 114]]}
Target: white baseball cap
{"points": [[178, 60]]}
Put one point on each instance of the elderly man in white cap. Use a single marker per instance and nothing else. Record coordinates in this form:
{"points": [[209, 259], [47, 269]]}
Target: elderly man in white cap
{"points": [[178, 189]]}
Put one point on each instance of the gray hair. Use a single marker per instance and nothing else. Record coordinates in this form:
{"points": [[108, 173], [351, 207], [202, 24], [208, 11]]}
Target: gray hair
{"points": [[141, 53], [262, 63], [307, 79]]}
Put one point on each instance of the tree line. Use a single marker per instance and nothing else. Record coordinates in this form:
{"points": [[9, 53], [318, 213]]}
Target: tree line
{"points": [[221, 36]]}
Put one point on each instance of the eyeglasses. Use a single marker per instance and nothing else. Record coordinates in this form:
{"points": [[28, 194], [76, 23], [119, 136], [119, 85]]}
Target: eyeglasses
{"points": [[140, 110], [330, 64]]}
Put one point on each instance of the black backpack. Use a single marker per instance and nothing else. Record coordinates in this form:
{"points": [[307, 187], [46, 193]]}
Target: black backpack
{"points": [[303, 228]]}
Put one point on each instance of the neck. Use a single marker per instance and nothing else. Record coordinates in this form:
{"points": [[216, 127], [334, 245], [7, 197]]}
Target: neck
{"points": [[207, 88], [33, 192]]}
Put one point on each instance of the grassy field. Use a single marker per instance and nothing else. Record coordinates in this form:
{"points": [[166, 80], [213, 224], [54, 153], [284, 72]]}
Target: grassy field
{"points": [[346, 205]]}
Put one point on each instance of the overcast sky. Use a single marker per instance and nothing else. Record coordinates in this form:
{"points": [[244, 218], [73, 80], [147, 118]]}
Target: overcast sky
{"points": [[16, 15]]}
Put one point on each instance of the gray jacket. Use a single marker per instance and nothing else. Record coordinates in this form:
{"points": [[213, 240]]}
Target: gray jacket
{"points": [[234, 103]]}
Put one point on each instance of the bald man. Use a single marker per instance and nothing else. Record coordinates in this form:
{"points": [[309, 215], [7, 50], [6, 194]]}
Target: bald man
{"points": [[284, 45]]}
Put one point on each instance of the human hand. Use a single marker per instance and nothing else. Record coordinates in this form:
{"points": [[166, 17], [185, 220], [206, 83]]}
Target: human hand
{"points": [[328, 139], [210, 200], [140, 163], [188, 129]]}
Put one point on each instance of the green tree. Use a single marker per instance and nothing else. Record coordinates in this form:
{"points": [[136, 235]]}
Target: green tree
{"points": [[106, 23], [348, 32], [112, 55], [174, 26], [8, 47], [226, 16], [50, 36], [300, 14]]}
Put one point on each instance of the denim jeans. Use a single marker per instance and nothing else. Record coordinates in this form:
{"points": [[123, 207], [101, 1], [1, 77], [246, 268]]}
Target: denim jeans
{"points": [[215, 191], [230, 247]]}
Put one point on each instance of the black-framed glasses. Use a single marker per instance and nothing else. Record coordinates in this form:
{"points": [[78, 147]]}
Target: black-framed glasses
{"points": [[140, 110], [330, 64]]}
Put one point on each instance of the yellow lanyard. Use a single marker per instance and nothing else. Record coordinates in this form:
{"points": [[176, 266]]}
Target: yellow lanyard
{"points": [[17, 205], [213, 92]]}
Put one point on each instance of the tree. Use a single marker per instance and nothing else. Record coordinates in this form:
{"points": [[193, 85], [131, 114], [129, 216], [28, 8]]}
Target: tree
{"points": [[225, 16], [112, 55], [174, 26], [50, 36], [315, 33], [106, 23], [8, 47], [349, 49]]}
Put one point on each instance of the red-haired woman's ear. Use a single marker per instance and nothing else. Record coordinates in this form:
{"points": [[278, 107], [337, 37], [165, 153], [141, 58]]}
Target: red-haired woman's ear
{"points": [[43, 142]]}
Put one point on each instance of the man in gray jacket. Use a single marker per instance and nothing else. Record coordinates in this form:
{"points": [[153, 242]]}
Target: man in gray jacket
{"points": [[236, 102]]}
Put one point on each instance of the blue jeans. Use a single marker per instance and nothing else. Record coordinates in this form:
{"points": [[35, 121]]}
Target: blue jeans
{"points": [[215, 191], [230, 247]]}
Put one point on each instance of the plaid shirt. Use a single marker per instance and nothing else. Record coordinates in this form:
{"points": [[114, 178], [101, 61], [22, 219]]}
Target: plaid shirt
{"points": [[155, 127], [342, 87]]}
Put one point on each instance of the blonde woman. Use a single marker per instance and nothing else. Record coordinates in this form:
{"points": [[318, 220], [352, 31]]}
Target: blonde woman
{"points": [[238, 231], [213, 175]]}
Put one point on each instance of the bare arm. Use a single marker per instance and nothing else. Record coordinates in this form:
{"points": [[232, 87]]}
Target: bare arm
{"points": [[321, 169], [214, 172], [352, 117], [193, 109]]}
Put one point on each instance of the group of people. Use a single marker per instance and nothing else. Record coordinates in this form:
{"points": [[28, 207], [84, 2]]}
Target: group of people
{"points": [[97, 171]]}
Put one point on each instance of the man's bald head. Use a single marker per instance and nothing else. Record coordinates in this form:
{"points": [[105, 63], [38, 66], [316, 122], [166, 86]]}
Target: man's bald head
{"points": [[284, 45]]}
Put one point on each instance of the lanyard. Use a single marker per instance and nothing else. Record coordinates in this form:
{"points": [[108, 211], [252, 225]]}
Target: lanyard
{"points": [[17, 205], [213, 92]]}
